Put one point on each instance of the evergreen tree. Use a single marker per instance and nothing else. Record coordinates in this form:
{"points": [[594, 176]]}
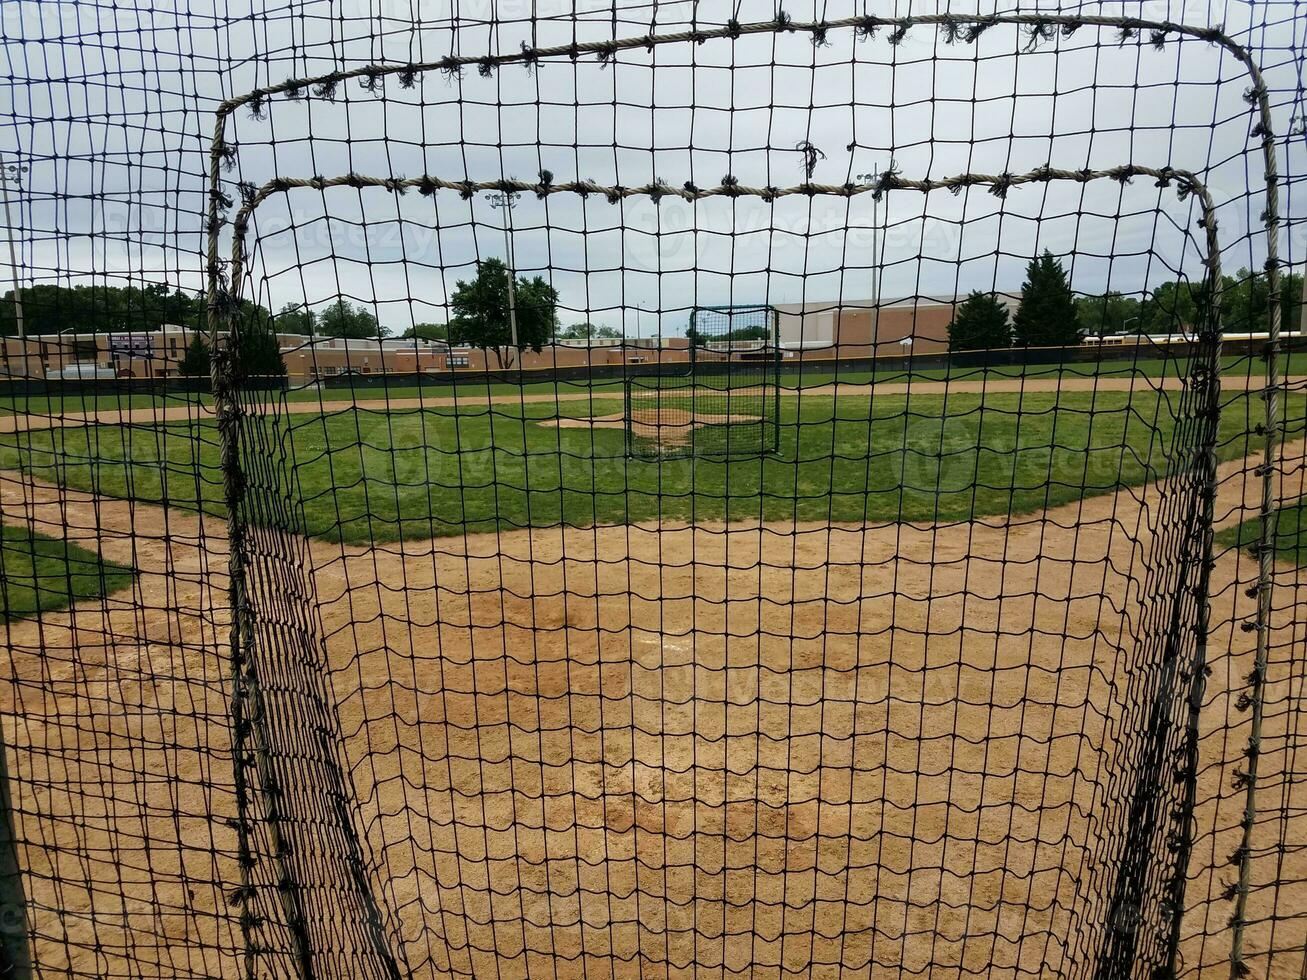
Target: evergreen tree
{"points": [[195, 363], [981, 323], [258, 354], [1047, 316]]}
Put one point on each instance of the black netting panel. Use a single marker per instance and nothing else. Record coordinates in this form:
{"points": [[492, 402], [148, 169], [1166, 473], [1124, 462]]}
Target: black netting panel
{"points": [[723, 401], [648, 491]]}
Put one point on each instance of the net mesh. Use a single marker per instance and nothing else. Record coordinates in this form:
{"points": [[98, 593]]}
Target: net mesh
{"points": [[624, 493], [725, 400]]}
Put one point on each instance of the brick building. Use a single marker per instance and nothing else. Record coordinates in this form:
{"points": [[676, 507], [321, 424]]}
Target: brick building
{"points": [[815, 330]]}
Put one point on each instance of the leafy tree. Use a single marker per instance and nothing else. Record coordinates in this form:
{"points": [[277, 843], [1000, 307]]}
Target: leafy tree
{"points": [[297, 318], [1245, 301], [588, 331], [427, 331], [981, 323], [1109, 315], [47, 309], [755, 332], [1047, 315], [481, 312], [1173, 307], [343, 319], [196, 361], [1291, 302]]}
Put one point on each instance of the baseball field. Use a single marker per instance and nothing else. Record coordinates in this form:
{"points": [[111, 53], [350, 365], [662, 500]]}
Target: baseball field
{"points": [[874, 702]]}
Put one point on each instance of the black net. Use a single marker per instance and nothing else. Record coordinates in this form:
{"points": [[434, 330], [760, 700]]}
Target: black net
{"points": [[627, 494], [723, 401]]}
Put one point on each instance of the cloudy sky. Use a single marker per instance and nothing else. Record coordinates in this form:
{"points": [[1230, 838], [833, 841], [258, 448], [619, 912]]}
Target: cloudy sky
{"points": [[111, 107]]}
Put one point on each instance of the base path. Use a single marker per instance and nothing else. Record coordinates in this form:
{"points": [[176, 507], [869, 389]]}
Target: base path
{"points": [[891, 745], [204, 412]]}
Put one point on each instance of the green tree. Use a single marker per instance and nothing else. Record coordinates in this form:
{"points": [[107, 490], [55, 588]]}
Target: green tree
{"points": [[1291, 302], [755, 332], [257, 354], [1246, 301], [981, 323], [343, 319], [1178, 306], [1173, 307], [481, 312], [196, 361], [297, 318], [48, 309], [588, 331], [1109, 315], [427, 331], [1047, 315]]}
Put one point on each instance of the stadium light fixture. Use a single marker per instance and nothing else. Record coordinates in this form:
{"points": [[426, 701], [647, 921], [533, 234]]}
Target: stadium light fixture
{"points": [[871, 178], [506, 201]]}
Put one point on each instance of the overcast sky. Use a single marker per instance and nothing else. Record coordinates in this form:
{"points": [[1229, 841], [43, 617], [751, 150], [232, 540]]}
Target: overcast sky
{"points": [[112, 109]]}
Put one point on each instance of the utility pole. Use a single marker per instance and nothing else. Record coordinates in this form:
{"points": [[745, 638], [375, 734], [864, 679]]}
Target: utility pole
{"points": [[506, 202], [12, 173]]}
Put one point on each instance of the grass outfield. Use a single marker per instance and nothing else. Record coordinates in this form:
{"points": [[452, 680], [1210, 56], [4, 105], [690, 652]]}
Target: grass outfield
{"points": [[39, 573], [812, 375], [1290, 541], [365, 475]]}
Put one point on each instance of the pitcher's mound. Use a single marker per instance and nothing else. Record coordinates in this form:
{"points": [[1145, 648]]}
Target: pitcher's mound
{"points": [[670, 426]]}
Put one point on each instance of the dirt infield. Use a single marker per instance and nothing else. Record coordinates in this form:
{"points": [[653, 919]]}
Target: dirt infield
{"points": [[765, 751], [183, 413]]}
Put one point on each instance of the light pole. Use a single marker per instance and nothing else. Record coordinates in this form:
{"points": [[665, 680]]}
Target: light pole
{"points": [[877, 245], [505, 201], [12, 173], [875, 259]]}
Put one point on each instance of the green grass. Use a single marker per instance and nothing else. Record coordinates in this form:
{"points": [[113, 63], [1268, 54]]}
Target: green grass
{"points": [[365, 474], [811, 376], [1290, 541], [39, 573]]}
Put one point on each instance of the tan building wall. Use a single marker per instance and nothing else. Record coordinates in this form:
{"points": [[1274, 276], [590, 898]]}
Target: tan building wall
{"points": [[851, 331], [325, 359], [827, 329], [48, 354]]}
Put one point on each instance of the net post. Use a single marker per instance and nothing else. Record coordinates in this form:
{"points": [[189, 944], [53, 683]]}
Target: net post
{"points": [[251, 756], [694, 376], [776, 378], [628, 436], [1207, 475], [15, 956], [1144, 835]]}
